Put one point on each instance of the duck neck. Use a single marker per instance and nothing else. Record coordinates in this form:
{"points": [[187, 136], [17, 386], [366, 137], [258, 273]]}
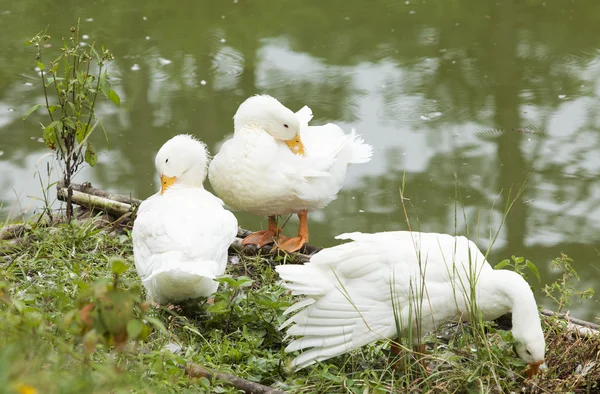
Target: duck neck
{"points": [[519, 299], [193, 177]]}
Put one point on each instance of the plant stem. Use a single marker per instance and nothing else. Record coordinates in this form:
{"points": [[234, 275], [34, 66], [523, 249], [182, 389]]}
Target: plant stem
{"points": [[44, 85], [94, 100]]}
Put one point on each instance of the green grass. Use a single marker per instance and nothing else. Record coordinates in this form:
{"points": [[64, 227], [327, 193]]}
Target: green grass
{"points": [[45, 345]]}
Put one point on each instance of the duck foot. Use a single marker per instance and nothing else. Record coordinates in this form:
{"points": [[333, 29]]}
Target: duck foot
{"points": [[263, 237], [291, 244], [260, 238]]}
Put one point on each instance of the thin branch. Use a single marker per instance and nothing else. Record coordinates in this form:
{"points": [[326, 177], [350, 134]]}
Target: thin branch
{"points": [[89, 189], [247, 386], [583, 327], [95, 202]]}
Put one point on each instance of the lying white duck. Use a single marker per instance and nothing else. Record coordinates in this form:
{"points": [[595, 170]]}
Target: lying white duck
{"points": [[353, 290], [276, 164], [182, 233]]}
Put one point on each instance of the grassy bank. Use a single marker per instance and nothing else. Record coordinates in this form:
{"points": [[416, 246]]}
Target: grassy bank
{"points": [[51, 273]]}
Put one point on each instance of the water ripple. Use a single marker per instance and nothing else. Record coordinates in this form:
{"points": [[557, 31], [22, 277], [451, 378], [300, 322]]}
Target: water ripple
{"points": [[227, 64], [493, 134], [412, 110]]}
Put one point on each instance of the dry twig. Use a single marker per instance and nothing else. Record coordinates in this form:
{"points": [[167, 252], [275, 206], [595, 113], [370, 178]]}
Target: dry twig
{"points": [[197, 371]]}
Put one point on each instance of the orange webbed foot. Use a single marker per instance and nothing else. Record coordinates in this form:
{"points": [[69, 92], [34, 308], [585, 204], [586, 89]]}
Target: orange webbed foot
{"points": [[280, 239], [260, 238], [291, 244]]}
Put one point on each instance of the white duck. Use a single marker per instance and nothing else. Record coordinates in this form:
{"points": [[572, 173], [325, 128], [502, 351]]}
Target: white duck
{"points": [[182, 233], [353, 291], [276, 164]]}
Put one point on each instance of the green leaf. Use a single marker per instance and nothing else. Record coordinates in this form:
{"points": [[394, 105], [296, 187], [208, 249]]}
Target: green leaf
{"points": [[90, 156], [27, 43], [118, 264], [94, 51], [242, 281], [533, 269], [80, 132], [49, 134], [40, 65], [54, 69], [52, 79], [156, 323], [502, 264], [31, 110], [218, 307], [134, 328], [104, 84], [69, 123], [53, 108], [114, 97]]}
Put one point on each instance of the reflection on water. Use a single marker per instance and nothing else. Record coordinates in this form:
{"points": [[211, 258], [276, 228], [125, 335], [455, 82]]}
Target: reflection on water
{"points": [[463, 102]]}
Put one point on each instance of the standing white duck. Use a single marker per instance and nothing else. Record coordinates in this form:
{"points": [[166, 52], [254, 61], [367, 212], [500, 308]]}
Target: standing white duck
{"points": [[355, 292], [182, 233], [276, 164]]}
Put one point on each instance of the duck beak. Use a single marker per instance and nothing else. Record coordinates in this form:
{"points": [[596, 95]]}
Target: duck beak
{"points": [[534, 369], [295, 144], [166, 182]]}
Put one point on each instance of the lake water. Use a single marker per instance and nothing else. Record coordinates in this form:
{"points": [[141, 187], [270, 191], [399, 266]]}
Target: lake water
{"points": [[463, 101]]}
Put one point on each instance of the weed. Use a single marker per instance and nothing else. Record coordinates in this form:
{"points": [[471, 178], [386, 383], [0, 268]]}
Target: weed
{"points": [[75, 78], [519, 264], [562, 290]]}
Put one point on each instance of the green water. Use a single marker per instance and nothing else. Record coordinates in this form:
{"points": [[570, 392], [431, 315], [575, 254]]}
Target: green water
{"points": [[437, 88]]}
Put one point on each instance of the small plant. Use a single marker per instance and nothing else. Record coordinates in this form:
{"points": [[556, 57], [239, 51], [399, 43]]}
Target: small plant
{"points": [[71, 85], [519, 264], [562, 290], [109, 314]]}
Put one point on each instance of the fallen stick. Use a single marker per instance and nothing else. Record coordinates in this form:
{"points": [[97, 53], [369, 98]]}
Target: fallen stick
{"points": [[247, 386], [93, 202], [585, 328], [88, 189]]}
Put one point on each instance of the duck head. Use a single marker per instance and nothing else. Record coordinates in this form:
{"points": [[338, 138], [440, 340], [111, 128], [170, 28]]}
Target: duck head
{"points": [[182, 160], [530, 347], [273, 117]]}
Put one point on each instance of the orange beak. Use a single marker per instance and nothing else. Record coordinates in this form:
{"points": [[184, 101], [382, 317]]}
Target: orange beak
{"points": [[295, 144], [166, 182], [533, 369]]}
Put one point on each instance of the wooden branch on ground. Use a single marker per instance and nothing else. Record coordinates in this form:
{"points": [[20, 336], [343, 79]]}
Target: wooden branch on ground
{"points": [[95, 202], [247, 386], [88, 189], [585, 328]]}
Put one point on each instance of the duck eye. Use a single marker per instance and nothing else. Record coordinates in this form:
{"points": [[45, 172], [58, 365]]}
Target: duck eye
{"points": [[528, 352], [286, 126], [166, 161]]}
